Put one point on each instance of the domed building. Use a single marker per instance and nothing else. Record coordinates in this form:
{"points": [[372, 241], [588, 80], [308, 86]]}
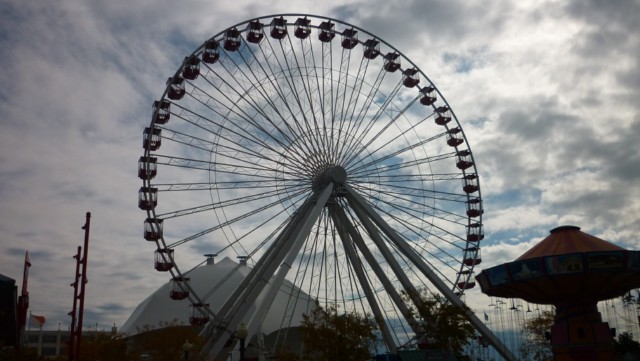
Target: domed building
{"points": [[214, 283]]}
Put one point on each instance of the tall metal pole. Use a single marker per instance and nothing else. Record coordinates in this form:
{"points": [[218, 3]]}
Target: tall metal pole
{"points": [[83, 282], [74, 310]]}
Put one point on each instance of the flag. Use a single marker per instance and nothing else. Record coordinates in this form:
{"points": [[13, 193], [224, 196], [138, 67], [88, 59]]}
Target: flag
{"points": [[39, 320]]}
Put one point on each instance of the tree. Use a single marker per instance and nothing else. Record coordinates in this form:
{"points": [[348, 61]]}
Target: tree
{"points": [[537, 345], [445, 325], [165, 343], [328, 335], [105, 347], [626, 348]]}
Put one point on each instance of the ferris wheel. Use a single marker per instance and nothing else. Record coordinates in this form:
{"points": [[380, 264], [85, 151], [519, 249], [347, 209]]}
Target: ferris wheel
{"points": [[325, 158]]}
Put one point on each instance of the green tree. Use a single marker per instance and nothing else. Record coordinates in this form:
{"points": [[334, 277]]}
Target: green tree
{"points": [[328, 335], [536, 345], [445, 326]]}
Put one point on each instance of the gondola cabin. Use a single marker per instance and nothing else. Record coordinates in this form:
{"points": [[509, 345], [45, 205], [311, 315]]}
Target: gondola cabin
{"points": [[326, 33], [410, 77], [232, 39], [428, 95], [302, 30], [151, 139], [147, 198], [349, 38], [371, 49], [279, 28], [161, 111], [199, 316], [211, 51], [391, 62], [191, 67], [178, 289], [175, 88], [147, 167], [464, 160], [255, 32], [454, 138], [153, 229], [163, 260]]}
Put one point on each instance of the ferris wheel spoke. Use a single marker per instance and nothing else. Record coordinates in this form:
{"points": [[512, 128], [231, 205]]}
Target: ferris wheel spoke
{"points": [[284, 92], [259, 112], [390, 140], [383, 108], [225, 203], [228, 185], [374, 166], [241, 217], [409, 204], [231, 146], [244, 167]]}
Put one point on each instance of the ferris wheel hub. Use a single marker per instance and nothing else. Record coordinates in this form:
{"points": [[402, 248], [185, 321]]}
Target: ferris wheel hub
{"points": [[336, 174]]}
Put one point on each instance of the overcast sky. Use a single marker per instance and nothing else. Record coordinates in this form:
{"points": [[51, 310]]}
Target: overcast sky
{"points": [[547, 93]]}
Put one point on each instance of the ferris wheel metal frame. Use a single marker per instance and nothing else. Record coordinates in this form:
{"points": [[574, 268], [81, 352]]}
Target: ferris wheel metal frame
{"points": [[323, 191]]}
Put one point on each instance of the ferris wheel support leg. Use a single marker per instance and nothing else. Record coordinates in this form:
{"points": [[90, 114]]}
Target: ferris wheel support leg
{"points": [[341, 222], [431, 276], [397, 270], [300, 234], [288, 242]]}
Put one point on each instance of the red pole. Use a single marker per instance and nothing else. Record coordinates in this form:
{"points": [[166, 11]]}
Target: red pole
{"points": [[83, 282], [73, 312]]}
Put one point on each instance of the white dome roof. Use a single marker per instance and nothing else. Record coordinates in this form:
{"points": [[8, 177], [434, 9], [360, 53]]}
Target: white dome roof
{"points": [[159, 310]]}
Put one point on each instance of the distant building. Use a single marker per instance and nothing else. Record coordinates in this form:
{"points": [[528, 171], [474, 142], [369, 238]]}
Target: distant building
{"points": [[8, 312]]}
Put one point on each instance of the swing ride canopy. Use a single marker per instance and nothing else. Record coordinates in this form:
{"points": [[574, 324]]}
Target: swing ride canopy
{"points": [[568, 266]]}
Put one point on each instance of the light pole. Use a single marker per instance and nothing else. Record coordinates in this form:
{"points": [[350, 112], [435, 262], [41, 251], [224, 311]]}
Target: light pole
{"points": [[241, 334], [186, 347]]}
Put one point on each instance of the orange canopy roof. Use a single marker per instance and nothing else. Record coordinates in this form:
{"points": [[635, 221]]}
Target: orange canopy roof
{"points": [[568, 239]]}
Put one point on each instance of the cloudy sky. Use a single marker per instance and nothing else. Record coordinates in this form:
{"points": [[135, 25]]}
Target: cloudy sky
{"points": [[546, 91]]}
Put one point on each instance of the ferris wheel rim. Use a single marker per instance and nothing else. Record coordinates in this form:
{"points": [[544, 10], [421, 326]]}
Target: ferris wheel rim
{"points": [[152, 214]]}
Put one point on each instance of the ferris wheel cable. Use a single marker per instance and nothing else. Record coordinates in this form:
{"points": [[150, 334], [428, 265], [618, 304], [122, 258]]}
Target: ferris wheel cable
{"points": [[198, 209], [249, 100], [282, 93], [250, 120], [219, 148], [364, 110], [353, 100], [455, 218], [416, 231], [391, 179], [327, 93], [295, 92], [237, 134], [409, 147], [384, 129], [400, 165], [439, 212], [420, 192], [236, 219], [247, 169], [437, 269], [306, 86], [373, 120], [341, 96], [257, 174], [220, 185]]}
